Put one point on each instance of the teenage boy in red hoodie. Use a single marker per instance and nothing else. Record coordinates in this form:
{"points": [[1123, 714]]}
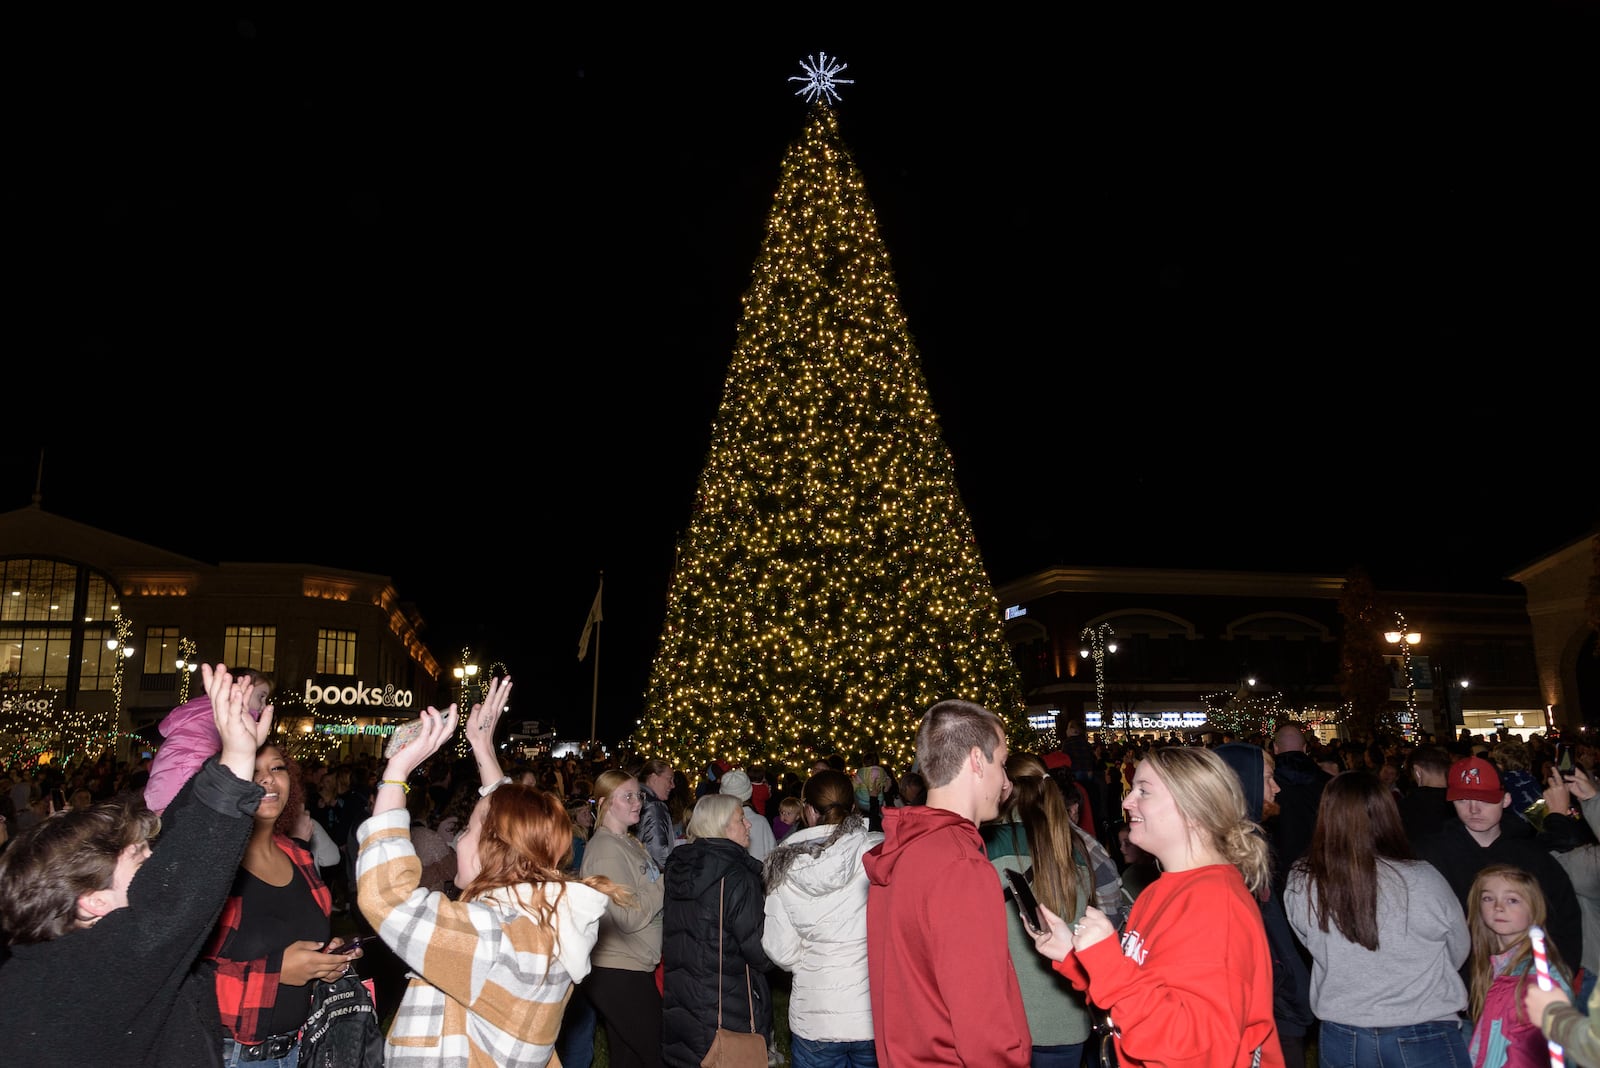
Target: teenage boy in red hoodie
{"points": [[944, 991]]}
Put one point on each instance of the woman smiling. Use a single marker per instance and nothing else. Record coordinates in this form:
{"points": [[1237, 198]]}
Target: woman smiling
{"points": [[272, 939], [1191, 983]]}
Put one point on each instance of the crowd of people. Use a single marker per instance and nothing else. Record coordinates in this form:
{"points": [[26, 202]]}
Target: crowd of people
{"points": [[1212, 901]]}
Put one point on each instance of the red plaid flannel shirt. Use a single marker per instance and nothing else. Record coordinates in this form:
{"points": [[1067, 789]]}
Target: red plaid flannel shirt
{"points": [[247, 987]]}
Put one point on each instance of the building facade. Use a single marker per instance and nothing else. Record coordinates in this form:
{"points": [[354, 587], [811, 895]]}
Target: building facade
{"points": [[100, 634], [1190, 644]]}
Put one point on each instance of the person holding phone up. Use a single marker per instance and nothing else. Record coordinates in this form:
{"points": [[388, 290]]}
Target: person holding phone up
{"points": [[102, 947]]}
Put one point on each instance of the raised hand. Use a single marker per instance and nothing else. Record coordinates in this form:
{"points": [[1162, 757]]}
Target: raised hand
{"points": [[481, 721], [433, 727], [480, 730], [1557, 792], [241, 733], [1581, 784]]}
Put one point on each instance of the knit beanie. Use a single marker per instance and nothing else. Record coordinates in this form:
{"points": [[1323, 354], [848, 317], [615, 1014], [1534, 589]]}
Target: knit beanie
{"points": [[737, 784]]}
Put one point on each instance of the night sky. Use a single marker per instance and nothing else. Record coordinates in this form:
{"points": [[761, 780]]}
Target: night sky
{"points": [[451, 298]]}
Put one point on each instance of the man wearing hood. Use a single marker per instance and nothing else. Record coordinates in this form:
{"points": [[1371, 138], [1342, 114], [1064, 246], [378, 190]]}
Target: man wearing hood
{"points": [[944, 991], [1291, 977]]}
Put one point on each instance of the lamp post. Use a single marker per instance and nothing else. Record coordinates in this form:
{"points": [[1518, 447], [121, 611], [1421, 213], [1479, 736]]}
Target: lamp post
{"points": [[1405, 639], [1097, 642], [465, 674], [122, 651], [186, 667], [1450, 691]]}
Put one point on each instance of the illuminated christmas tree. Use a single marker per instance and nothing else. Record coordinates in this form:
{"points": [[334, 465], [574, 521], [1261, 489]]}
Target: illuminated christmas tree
{"points": [[829, 587]]}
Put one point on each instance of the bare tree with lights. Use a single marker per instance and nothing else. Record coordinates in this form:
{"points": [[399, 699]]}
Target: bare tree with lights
{"points": [[829, 587], [1363, 672]]}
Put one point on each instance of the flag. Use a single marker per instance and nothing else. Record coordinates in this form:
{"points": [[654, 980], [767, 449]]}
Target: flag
{"points": [[588, 625]]}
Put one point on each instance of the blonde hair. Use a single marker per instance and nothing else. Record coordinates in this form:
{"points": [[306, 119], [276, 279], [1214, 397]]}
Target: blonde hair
{"points": [[604, 787], [1512, 755], [712, 815], [1485, 943], [1209, 796]]}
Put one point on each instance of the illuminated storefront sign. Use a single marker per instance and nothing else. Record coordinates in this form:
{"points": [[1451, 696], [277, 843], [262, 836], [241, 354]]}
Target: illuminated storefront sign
{"points": [[358, 695], [1163, 722]]}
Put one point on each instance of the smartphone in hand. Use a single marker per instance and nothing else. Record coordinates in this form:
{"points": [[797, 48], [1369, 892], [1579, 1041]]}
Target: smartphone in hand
{"points": [[1027, 905], [363, 943]]}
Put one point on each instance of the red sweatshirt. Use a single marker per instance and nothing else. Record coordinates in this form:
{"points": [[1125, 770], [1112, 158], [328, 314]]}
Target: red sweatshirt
{"points": [[1191, 984], [944, 991]]}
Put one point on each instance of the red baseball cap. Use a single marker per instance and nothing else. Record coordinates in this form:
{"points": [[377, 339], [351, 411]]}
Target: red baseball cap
{"points": [[1057, 759], [1474, 779]]}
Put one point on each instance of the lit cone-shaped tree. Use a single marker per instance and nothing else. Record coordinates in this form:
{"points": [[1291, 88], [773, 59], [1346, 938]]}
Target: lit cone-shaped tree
{"points": [[828, 588]]}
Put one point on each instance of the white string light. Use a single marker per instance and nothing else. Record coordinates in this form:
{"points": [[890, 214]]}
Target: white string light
{"points": [[821, 77]]}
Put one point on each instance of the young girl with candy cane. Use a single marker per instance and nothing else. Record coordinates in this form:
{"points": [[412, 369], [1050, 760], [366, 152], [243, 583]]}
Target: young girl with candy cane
{"points": [[1507, 902]]}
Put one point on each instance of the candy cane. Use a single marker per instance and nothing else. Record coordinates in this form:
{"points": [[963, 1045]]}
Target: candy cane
{"points": [[1542, 964]]}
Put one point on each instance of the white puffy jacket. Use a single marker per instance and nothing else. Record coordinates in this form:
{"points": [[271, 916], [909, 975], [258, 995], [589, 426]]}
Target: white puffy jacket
{"points": [[816, 928]]}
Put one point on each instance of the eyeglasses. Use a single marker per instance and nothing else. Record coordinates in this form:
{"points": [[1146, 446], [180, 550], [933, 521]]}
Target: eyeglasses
{"points": [[629, 797]]}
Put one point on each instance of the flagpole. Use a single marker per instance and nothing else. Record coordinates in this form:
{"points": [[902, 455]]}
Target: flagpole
{"points": [[594, 697]]}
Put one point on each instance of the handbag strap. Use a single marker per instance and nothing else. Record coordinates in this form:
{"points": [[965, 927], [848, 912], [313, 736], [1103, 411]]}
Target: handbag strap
{"points": [[749, 998], [720, 886]]}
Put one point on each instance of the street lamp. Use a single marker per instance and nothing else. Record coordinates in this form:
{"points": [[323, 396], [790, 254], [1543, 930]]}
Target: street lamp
{"points": [[1097, 642], [120, 649], [186, 667], [464, 676], [1405, 639]]}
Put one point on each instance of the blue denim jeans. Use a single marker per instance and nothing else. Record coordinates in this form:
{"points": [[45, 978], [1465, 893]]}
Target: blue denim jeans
{"points": [[575, 1043], [232, 1050], [1057, 1056], [1439, 1044], [804, 1053]]}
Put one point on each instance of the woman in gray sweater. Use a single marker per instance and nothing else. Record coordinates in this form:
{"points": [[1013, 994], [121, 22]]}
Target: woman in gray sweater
{"points": [[1385, 932]]}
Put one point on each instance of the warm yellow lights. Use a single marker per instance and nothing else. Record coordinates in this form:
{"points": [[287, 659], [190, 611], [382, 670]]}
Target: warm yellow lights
{"points": [[828, 587], [1404, 637]]}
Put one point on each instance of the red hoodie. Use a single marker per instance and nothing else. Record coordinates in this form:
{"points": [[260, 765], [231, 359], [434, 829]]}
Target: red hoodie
{"points": [[943, 988]]}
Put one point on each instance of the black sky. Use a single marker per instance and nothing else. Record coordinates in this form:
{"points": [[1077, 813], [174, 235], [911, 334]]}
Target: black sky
{"points": [[451, 298]]}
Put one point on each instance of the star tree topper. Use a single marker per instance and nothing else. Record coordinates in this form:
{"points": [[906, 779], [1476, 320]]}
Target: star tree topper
{"points": [[820, 78]]}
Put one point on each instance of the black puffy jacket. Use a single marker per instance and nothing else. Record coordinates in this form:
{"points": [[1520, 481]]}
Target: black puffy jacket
{"points": [[695, 871]]}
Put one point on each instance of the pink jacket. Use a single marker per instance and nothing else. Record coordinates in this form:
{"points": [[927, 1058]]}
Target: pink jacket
{"points": [[189, 734], [1503, 1037]]}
